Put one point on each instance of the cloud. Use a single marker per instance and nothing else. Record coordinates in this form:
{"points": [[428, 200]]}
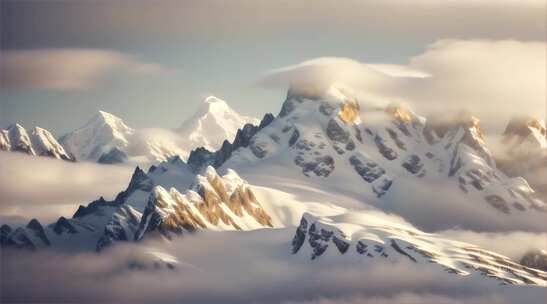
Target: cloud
{"points": [[145, 22], [67, 69], [406, 298], [494, 79], [240, 267], [512, 244], [47, 188]]}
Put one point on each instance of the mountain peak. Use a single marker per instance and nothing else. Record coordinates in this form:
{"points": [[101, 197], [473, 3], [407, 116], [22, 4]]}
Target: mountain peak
{"points": [[15, 125], [524, 124], [109, 119], [400, 113], [213, 100], [98, 136], [462, 119], [525, 129], [213, 122], [215, 106]]}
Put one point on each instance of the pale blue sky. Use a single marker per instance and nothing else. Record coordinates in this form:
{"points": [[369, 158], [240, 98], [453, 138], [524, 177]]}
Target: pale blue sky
{"points": [[211, 47]]}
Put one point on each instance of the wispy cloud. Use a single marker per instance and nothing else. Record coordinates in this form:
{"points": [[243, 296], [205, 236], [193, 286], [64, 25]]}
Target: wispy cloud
{"points": [[241, 267], [143, 21], [495, 79], [69, 69], [47, 188]]}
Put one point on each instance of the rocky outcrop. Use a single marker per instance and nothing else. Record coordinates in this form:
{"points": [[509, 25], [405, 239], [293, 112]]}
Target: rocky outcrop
{"points": [[535, 259], [201, 157], [121, 227], [372, 173], [64, 226], [461, 128], [5, 231], [213, 202], [32, 236]]}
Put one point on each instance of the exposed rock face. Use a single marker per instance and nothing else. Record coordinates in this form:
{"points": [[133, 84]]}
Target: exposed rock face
{"points": [[520, 129], [339, 136], [5, 230], [319, 238], [400, 113], [384, 149], [326, 134], [122, 227], [523, 152], [210, 202], [32, 236], [321, 165], [535, 259], [140, 181], [213, 202], [372, 173], [201, 157], [349, 110], [413, 164], [366, 237], [64, 226], [460, 128]]}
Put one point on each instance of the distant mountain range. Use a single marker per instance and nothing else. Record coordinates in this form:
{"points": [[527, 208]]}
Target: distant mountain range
{"points": [[105, 138]]}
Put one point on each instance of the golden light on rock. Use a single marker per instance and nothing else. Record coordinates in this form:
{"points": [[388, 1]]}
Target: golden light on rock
{"points": [[399, 113]]}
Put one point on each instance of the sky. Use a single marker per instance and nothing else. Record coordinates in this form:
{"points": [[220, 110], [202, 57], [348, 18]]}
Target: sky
{"points": [[153, 62]]}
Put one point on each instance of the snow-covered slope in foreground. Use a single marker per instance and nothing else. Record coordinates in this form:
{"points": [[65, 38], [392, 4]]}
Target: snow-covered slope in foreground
{"points": [[258, 267], [37, 142], [107, 139], [365, 238]]}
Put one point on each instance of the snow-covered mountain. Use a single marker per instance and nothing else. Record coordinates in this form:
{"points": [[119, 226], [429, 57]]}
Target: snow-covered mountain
{"points": [[213, 122], [106, 138], [37, 142], [362, 238], [209, 202], [383, 155], [522, 151]]}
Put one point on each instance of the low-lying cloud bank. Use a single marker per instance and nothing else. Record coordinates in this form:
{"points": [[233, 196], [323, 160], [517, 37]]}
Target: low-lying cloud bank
{"points": [[47, 188], [496, 79], [68, 69], [240, 267], [512, 244]]}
